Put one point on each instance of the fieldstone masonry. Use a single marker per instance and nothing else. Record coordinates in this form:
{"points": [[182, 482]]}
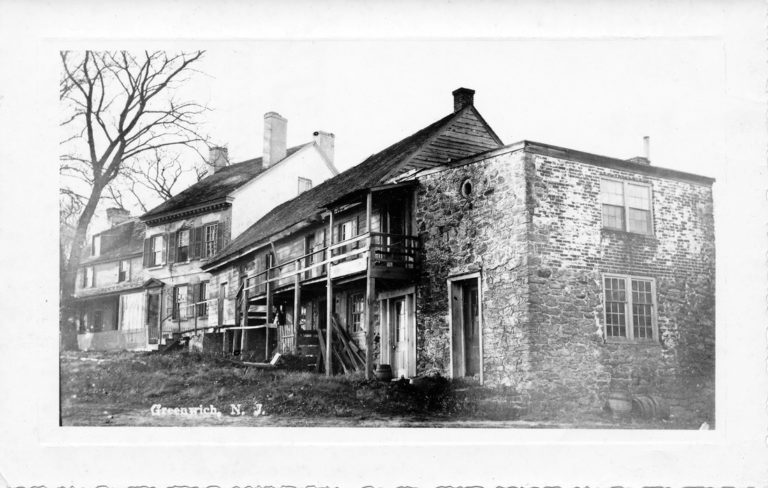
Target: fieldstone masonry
{"points": [[532, 226]]}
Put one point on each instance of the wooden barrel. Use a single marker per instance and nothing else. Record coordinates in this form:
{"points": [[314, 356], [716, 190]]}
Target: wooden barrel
{"points": [[650, 407], [383, 372], [619, 403]]}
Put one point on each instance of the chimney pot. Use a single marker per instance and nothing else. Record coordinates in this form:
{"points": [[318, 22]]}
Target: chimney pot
{"points": [[647, 147], [218, 157], [463, 97], [325, 141], [275, 138]]}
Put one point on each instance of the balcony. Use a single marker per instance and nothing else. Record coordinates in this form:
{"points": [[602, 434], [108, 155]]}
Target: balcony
{"points": [[389, 256]]}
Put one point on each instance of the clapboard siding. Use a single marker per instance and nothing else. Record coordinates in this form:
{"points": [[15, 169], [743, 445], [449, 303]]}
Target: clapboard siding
{"points": [[466, 136]]}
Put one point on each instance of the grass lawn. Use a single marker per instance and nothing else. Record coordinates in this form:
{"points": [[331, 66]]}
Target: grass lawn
{"points": [[121, 388]]}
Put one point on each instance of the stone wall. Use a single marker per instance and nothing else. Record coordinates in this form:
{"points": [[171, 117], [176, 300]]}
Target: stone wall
{"points": [[484, 231], [532, 227], [575, 366]]}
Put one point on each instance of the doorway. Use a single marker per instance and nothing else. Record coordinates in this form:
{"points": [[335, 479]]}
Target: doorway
{"points": [[466, 327], [153, 317]]}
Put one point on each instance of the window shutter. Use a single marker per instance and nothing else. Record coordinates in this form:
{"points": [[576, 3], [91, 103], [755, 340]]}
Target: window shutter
{"points": [[222, 235], [219, 236], [147, 252], [166, 237], [174, 237], [197, 242]]}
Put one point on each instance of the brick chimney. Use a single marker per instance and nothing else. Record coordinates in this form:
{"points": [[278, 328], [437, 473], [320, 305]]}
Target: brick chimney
{"points": [[463, 97], [218, 157], [275, 136], [116, 216], [325, 141]]}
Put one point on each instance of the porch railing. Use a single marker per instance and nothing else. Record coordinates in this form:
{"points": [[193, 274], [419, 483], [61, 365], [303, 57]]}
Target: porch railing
{"points": [[387, 251]]}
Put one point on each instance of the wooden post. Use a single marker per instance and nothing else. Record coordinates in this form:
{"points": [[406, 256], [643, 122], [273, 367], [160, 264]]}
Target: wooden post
{"points": [[329, 301], [370, 291], [296, 308], [245, 316], [269, 310]]}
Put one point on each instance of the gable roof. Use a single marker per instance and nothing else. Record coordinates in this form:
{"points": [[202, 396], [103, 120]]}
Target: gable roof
{"points": [[216, 187], [123, 240], [375, 170]]}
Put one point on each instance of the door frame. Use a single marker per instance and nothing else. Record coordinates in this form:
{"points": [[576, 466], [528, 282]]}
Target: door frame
{"points": [[450, 282], [385, 299]]}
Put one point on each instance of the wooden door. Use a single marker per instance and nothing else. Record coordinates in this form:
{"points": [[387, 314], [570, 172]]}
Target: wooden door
{"points": [[399, 318], [471, 325], [153, 317], [465, 328]]}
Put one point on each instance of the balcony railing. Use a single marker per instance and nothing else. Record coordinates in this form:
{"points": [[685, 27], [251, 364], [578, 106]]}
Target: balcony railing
{"points": [[386, 253]]}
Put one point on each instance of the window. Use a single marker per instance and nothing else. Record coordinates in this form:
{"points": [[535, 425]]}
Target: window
{"points": [[356, 312], [202, 297], [96, 245], [182, 245], [179, 311], [89, 277], [84, 280], [210, 239], [629, 308], [124, 274], [466, 187], [626, 206], [156, 250], [304, 184]]}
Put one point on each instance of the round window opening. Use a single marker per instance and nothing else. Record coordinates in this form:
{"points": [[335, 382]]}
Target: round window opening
{"points": [[466, 188]]}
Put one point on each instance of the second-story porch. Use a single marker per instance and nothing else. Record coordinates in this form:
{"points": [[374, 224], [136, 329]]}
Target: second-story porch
{"points": [[363, 243]]}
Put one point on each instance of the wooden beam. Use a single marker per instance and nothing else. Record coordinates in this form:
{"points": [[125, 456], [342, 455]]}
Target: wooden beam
{"points": [[269, 310], [329, 304], [296, 308], [245, 317], [370, 289]]}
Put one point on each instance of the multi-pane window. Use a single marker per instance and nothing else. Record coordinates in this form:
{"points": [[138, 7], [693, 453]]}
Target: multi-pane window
{"points": [[157, 250], [629, 307], [202, 297], [304, 184], [182, 245], [626, 206], [84, 278], [124, 273], [356, 312], [179, 311], [210, 239]]}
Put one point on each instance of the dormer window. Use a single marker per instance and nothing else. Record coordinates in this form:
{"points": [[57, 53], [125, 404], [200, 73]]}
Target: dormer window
{"points": [[626, 206]]}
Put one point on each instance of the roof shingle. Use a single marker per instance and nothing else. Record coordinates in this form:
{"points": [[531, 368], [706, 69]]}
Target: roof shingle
{"points": [[371, 172], [216, 187]]}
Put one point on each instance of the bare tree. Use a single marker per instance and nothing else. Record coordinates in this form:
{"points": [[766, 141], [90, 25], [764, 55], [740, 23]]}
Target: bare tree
{"points": [[149, 181], [119, 107]]}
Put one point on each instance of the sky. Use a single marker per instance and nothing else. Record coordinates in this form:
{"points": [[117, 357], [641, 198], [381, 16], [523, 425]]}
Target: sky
{"points": [[594, 96], [599, 96]]}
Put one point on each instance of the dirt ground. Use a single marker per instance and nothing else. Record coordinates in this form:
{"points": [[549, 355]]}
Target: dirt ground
{"points": [[132, 388]]}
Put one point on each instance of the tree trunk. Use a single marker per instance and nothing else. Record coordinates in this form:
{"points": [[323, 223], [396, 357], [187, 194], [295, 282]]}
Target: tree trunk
{"points": [[66, 307]]}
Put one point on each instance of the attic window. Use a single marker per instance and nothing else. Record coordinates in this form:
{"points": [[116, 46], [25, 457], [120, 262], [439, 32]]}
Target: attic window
{"points": [[466, 188]]}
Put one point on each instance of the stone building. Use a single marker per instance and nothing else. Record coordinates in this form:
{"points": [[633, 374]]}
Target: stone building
{"points": [[558, 273]]}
